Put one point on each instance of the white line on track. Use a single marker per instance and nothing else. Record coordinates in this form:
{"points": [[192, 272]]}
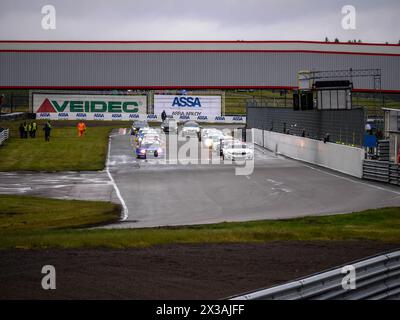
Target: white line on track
{"points": [[124, 207]]}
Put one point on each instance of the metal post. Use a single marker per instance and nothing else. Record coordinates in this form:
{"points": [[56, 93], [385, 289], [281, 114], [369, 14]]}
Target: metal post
{"points": [[11, 103]]}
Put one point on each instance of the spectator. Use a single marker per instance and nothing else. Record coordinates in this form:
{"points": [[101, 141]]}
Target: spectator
{"points": [[21, 130], [47, 131], [33, 129], [327, 137], [25, 130], [81, 128], [163, 115]]}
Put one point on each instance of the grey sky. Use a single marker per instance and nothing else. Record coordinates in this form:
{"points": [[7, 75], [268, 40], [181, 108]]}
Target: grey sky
{"points": [[377, 21]]}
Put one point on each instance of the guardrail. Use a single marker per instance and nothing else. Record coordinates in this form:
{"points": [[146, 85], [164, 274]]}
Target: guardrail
{"points": [[4, 135], [376, 278], [13, 116], [382, 171]]}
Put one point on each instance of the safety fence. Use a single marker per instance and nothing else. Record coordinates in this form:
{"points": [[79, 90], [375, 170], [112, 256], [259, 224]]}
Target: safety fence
{"points": [[382, 171], [4, 135], [343, 126], [376, 278]]}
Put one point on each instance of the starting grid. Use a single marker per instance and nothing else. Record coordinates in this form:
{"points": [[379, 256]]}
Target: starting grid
{"points": [[135, 116]]}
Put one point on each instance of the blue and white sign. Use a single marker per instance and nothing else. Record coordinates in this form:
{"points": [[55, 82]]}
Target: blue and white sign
{"points": [[149, 117], [188, 105]]}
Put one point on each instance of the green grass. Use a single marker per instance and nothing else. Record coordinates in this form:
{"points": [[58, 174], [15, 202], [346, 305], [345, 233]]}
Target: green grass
{"points": [[65, 151], [21, 213], [53, 224]]}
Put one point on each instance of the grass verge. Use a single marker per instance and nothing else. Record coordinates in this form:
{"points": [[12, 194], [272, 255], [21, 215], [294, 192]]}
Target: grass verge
{"points": [[52, 224], [21, 213], [65, 151]]}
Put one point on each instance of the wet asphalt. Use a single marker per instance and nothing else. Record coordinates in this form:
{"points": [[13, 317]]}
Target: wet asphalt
{"points": [[166, 191]]}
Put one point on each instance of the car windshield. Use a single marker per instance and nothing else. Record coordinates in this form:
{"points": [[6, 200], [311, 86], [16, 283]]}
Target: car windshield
{"points": [[214, 133], [150, 144], [170, 122], [140, 124], [152, 137], [216, 138], [191, 124], [227, 142], [238, 146]]}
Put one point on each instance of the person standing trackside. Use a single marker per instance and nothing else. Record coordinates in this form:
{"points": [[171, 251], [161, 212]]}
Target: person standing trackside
{"points": [[33, 129], [30, 129], [25, 130], [81, 128], [163, 115], [21, 130], [47, 130]]}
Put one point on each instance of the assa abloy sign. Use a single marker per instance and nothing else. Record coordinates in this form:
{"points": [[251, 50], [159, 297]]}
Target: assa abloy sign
{"points": [[188, 106]]}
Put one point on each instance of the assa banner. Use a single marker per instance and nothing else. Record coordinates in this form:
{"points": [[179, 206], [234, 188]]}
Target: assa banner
{"points": [[88, 107], [188, 106]]}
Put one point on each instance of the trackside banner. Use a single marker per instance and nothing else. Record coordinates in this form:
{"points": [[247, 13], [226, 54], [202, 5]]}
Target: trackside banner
{"points": [[88, 107], [185, 105]]}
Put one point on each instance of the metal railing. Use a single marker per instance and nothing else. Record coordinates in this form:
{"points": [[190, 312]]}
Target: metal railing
{"points": [[376, 278], [382, 171], [4, 135]]}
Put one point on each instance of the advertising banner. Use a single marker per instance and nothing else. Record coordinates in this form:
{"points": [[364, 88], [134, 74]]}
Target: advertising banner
{"points": [[188, 105], [88, 107]]}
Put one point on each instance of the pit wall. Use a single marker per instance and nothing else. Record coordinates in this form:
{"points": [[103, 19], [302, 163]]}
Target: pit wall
{"points": [[341, 158]]}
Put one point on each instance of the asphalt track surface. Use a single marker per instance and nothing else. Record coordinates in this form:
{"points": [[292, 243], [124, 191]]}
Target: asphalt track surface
{"points": [[158, 192], [65, 185]]}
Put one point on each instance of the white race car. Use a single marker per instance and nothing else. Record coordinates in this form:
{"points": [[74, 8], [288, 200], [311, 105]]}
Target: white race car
{"points": [[149, 133], [218, 147], [190, 128], [237, 151], [211, 137]]}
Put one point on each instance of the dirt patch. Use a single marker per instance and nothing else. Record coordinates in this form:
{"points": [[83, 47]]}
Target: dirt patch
{"points": [[207, 271]]}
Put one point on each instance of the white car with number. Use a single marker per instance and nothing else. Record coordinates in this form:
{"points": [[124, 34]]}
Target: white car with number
{"points": [[218, 147], [145, 132], [212, 137], [190, 128], [237, 151]]}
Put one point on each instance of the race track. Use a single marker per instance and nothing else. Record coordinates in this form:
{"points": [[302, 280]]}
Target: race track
{"points": [[158, 193]]}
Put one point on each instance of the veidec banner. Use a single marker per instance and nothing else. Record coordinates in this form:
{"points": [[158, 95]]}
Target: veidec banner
{"points": [[89, 107]]}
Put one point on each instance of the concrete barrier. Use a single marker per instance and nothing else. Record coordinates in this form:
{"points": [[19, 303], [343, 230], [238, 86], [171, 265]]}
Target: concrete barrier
{"points": [[258, 136], [345, 159]]}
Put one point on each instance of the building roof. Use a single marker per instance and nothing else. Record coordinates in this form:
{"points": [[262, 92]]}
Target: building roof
{"points": [[196, 46]]}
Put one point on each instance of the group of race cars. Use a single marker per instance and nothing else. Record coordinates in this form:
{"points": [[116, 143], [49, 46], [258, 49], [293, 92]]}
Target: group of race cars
{"points": [[149, 143]]}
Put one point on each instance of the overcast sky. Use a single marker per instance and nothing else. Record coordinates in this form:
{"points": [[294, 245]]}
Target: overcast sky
{"points": [[376, 21]]}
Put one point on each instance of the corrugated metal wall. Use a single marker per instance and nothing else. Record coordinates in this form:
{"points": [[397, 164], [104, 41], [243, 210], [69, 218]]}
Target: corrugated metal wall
{"points": [[183, 69]]}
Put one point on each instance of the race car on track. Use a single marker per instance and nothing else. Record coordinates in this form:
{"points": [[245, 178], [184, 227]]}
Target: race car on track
{"points": [[219, 146], [147, 132], [212, 137], [149, 147], [137, 125], [191, 128], [170, 125], [208, 131], [237, 151]]}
